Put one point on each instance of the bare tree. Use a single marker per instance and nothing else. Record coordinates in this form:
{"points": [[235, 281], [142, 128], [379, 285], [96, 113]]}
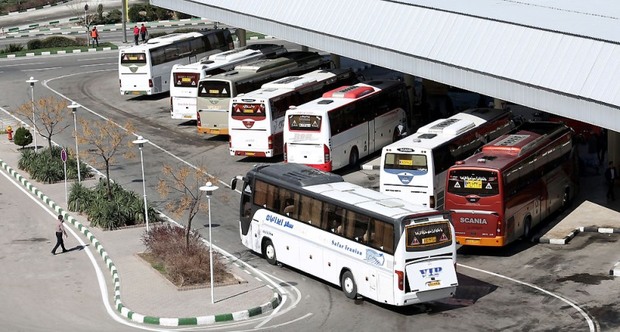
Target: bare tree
{"points": [[106, 139], [51, 113], [185, 183]]}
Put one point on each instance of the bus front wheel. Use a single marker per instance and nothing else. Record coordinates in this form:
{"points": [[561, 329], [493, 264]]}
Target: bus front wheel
{"points": [[269, 251], [348, 285]]}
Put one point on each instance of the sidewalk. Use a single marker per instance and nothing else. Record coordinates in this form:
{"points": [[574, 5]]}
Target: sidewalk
{"points": [[140, 293]]}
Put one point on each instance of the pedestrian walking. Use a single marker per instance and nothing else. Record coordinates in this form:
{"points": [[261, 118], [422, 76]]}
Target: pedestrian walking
{"points": [[143, 33], [136, 34], [610, 177], [94, 35], [60, 231]]}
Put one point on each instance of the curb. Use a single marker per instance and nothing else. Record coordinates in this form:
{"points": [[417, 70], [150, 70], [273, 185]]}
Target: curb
{"points": [[573, 233], [124, 311]]}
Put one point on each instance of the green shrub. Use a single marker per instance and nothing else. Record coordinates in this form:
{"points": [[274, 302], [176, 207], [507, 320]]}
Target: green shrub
{"points": [[48, 167], [22, 137], [13, 48], [59, 41], [34, 44], [125, 209]]}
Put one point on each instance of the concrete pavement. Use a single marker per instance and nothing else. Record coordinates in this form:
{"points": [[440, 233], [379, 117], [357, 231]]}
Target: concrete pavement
{"points": [[141, 294]]}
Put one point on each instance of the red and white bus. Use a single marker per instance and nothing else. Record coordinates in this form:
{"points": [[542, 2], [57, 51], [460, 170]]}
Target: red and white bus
{"points": [[256, 120], [346, 124], [499, 194]]}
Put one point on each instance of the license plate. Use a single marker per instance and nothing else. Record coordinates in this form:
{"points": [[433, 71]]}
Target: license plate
{"points": [[473, 184], [187, 116], [215, 131], [250, 153], [433, 283], [472, 241], [135, 92], [428, 240]]}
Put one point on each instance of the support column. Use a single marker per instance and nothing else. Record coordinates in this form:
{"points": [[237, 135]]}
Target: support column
{"points": [[413, 113], [613, 148], [336, 60], [241, 35]]}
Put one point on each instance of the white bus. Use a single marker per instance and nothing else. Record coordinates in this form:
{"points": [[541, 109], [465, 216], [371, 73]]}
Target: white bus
{"points": [[346, 124], [145, 69], [215, 92], [256, 120], [369, 244], [414, 168], [184, 78]]}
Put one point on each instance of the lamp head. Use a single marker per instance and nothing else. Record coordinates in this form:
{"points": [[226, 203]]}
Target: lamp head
{"points": [[209, 188], [140, 141], [74, 106], [32, 81]]}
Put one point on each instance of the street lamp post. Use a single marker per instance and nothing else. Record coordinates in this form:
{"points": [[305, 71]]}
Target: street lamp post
{"points": [[32, 81], [74, 106], [209, 189], [140, 141], [86, 25]]}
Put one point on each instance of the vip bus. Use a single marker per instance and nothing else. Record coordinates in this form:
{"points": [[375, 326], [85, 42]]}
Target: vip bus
{"points": [[256, 120], [145, 69], [184, 78], [215, 92], [517, 180], [414, 168], [369, 244], [346, 124]]}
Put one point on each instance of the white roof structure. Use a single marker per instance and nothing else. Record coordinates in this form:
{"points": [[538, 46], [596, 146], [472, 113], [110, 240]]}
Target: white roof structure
{"points": [[559, 56]]}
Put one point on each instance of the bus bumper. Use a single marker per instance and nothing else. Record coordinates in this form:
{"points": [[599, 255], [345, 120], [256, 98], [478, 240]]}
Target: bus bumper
{"points": [[481, 241], [213, 131]]}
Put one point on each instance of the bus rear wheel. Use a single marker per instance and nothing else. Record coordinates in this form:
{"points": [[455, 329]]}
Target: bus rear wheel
{"points": [[269, 251], [354, 158], [348, 285], [566, 200], [527, 229]]}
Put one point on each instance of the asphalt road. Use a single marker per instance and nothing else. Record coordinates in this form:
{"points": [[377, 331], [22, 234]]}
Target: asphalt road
{"points": [[524, 287]]}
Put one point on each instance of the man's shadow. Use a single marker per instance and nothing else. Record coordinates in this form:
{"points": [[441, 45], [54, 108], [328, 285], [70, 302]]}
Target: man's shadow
{"points": [[76, 248]]}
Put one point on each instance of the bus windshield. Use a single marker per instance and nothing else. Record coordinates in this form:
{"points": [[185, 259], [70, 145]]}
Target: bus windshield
{"points": [[414, 162], [214, 89], [304, 122], [482, 183], [186, 80], [133, 58]]}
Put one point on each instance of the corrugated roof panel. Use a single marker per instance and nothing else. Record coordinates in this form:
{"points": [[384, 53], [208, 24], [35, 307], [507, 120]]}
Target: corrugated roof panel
{"points": [[608, 70], [543, 58], [598, 71], [454, 40], [478, 48]]}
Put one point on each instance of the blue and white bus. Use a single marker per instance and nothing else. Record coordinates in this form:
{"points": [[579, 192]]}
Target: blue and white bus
{"points": [[369, 244]]}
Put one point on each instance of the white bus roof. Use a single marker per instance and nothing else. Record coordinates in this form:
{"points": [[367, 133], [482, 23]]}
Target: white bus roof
{"points": [[163, 40], [287, 84], [333, 186], [443, 130], [368, 199]]}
